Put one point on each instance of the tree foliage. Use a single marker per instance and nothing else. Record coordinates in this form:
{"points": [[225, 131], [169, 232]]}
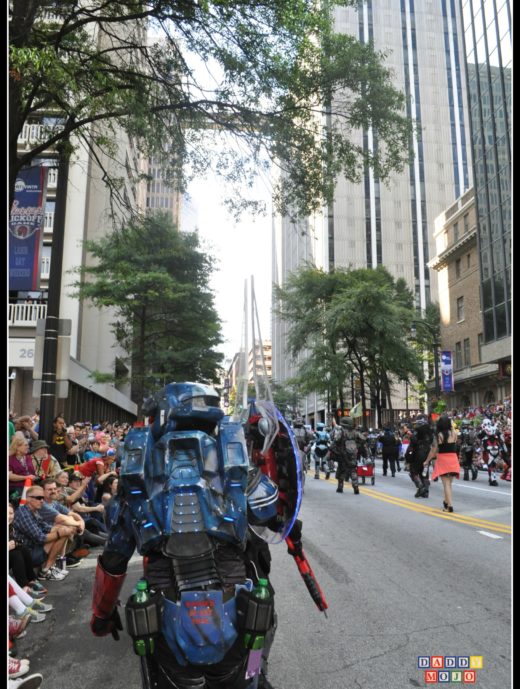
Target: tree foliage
{"points": [[260, 70], [157, 280], [350, 321]]}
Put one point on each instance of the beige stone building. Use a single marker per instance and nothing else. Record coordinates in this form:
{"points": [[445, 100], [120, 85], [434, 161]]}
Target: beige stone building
{"points": [[476, 382]]}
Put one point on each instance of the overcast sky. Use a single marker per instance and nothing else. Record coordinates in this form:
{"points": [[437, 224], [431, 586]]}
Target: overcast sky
{"points": [[241, 249]]}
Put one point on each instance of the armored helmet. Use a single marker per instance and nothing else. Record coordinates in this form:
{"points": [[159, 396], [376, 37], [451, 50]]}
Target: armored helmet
{"points": [[347, 422], [184, 405], [320, 426], [420, 421]]}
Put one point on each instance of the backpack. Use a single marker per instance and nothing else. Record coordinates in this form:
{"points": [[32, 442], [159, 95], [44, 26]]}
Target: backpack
{"points": [[389, 439], [336, 444], [350, 445]]}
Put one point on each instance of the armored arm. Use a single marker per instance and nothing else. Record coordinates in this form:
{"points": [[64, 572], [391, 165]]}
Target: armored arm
{"points": [[111, 571], [294, 548]]}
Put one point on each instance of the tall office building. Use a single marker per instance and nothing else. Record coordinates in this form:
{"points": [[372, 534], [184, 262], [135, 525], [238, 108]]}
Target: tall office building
{"points": [[392, 224], [487, 41]]}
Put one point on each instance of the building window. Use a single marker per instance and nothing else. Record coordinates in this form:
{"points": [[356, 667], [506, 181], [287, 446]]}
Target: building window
{"points": [[455, 231], [460, 309], [457, 268], [467, 352], [468, 261], [458, 355], [480, 342], [466, 223]]}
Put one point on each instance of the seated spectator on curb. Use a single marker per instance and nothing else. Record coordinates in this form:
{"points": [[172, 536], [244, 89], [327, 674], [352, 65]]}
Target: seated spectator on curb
{"points": [[20, 562], [105, 474], [54, 512], [93, 448], [95, 531], [109, 488], [45, 542], [46, 465], [79, 444], [61, 445], [98, 468], [24, 604], [25, 425], [20, 467], [66, 495]]}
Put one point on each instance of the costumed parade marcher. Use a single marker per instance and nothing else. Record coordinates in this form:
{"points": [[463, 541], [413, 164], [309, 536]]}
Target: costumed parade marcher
{"points": [[390, 449], [321, 450], [493, 449], [467, 442], [200, 497], [418, 449], [347, 446]]}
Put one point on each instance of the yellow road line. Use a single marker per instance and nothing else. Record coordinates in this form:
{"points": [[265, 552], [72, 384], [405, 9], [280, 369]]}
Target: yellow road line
{"points": [[460, 518], [432, 511], [435, 510]]}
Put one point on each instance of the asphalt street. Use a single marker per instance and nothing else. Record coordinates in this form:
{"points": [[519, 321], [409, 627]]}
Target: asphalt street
{"points": [[402, 579]]}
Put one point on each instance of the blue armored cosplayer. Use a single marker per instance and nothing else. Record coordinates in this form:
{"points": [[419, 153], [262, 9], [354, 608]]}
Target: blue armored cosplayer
{"points": [[186, 492]]}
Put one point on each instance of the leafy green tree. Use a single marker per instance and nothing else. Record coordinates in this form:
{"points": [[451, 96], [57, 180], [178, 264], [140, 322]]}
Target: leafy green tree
{"points": [[426, 337], [350, 321], [157, 280], [372, 315], [288, 398], [271, 69], [304, 302]]}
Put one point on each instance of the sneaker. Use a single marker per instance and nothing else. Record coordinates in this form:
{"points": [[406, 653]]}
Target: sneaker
{"points": [[51, 574], [80, 552], [37, 595], [40, 607], [63, 572], [17, 667], [31, 682], [35, 616], [72, 561], [17, 625], [36, 586]]}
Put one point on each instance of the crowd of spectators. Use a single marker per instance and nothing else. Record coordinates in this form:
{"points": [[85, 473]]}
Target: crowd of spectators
{"points": [[58, 492]]}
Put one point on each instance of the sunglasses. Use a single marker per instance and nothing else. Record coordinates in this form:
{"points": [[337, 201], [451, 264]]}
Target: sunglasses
{"points": [[37, 497]]}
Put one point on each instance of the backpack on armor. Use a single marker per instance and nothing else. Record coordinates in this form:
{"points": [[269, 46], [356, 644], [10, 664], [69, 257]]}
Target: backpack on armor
{"points": [[350, 445]]}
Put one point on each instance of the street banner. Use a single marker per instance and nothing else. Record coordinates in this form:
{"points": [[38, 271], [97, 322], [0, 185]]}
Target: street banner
{"points": [[26, 229], [446, 372], [357, 410]]}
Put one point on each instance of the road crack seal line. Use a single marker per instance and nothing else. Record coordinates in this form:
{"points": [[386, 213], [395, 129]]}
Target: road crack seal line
{"points": [[366, 659], [331, 567]]}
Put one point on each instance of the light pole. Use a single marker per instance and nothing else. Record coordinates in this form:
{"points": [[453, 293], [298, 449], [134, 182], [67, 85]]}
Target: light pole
{"points": [[50, 350]]}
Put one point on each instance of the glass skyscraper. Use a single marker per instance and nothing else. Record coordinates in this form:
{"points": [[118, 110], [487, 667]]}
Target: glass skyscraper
{"points": [[487, 42], [392, 224]]}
